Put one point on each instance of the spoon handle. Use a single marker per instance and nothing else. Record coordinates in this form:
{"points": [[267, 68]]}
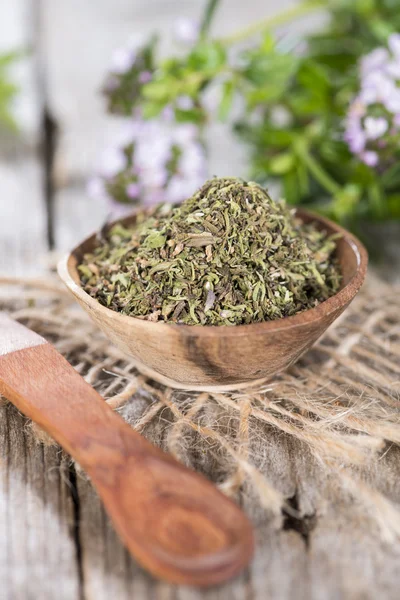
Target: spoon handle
{"points": [[174, 521]]}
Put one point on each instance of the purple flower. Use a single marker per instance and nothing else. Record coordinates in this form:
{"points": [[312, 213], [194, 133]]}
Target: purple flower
{"points": [[393, 69], [280, 116], [133, 190], [158, 160], [374, 60], [112, 83], [184, 102], [185, 133], [186, 31], [355, 135], [375, 127], [123, 60], [394, 44], [393, 101], [192, 160], [168, 113], [145, 77], [117, 210], [153, 197], [379, 86], [154, 177], [180, 188], [370, 158], [96, 189], [369, 130], [113, 161]]}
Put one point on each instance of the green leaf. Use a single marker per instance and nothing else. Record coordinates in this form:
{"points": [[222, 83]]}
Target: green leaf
{"points": [[269, 136], [207, 56], [155, 240], [291, 188], [345, 201], [366, 8], [228, 92], [160, 91], [271, 70], [8, 58], [376, 200], [283, 163], [314, 77], [304, 105], [381, 30], [268, 43], [194, 115], [393, 206], [391, 177], [150, 110], [208, 16]]}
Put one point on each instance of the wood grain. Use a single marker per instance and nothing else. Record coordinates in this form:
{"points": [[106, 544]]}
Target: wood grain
{"points": [[221, 358], [174, 521], [37, 546]]}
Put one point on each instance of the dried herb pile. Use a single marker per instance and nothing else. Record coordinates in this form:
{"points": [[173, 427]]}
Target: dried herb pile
{"points": [[228, 255]]}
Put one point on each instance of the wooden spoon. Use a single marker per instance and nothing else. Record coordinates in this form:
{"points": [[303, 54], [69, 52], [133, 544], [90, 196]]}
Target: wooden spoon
{"points": [[174, 521]]}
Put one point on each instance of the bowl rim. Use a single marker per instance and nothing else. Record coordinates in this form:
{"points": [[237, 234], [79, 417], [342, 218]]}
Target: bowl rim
{"points": [[315, 314]]}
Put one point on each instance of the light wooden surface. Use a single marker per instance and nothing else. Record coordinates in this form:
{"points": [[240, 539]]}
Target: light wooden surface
{"points": [[55, 540]]}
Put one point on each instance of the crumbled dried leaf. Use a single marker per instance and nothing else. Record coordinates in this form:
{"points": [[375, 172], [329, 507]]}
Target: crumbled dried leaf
{"points": [[228, 255]]}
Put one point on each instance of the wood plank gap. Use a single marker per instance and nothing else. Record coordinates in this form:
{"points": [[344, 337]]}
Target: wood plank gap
{"points": [[301, 524], [49, 146], [76, 532], [48, 124], [6, 440]]}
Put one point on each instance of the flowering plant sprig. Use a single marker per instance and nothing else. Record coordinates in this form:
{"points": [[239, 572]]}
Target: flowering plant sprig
{"points": [[304, 111], [157, 161], [306, 136], [373, 120]]}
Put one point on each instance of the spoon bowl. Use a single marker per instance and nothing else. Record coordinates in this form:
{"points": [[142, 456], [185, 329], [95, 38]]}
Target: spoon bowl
{"points": [[221, 358]]}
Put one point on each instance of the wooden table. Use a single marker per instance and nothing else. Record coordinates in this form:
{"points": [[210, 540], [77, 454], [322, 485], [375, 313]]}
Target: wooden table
{"points": [[55, 540]]}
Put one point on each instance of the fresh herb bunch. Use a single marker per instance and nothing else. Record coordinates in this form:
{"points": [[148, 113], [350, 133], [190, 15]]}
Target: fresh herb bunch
{"points": [[297, 97], [301, 131], [228, 255]]}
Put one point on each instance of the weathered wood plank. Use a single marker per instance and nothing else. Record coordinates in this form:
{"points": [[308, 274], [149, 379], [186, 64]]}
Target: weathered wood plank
{"points": [[22, 215], [77, 216], [37, 550], [22, 210], [37, 546], [347, 557], [108, 569], [17, 26]]}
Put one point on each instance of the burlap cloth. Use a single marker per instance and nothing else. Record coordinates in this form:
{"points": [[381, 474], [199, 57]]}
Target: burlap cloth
{"points": [[340, 402]]}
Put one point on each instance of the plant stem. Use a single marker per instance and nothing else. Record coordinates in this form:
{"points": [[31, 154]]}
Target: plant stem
{"points": [[266, 24], [208, 16], [319, 173]]}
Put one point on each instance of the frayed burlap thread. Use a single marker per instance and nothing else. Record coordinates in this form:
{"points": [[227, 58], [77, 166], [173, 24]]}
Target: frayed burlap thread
{"points": [[339, 403]]}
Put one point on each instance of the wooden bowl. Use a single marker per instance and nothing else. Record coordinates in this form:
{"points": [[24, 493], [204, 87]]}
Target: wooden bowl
{"points": [[221, 358]]}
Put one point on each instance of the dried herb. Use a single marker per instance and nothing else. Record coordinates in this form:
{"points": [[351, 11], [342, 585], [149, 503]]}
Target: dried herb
{"points": [[228, 255]]}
